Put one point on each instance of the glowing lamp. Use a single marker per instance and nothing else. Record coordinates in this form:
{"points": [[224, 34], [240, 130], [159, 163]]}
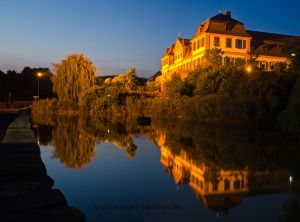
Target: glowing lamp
{"points": [[248, 69]]}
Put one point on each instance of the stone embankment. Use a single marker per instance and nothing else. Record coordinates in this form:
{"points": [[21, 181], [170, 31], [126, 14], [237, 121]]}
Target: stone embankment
{"points": [[26, 192]]}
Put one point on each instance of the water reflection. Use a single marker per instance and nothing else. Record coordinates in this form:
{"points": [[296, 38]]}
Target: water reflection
{"points": [[72, 143], [221, 166], [116, 134], [74, 139], [215, 188]]}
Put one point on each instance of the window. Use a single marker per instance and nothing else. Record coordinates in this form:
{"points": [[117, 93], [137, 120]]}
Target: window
{"points": [[217, 41], [228, 27], [198, 44], [226, 184], [228, 43], [236, 184], [215, 186], [240, 44], [194, 46], [202, 43]]}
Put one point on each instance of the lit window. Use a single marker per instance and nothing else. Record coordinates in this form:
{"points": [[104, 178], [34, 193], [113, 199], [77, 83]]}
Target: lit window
{"points": [[228, 43], [216, 41]]}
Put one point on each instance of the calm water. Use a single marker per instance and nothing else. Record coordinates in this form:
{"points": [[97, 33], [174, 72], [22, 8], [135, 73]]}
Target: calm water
{"points": [[129, 172]]}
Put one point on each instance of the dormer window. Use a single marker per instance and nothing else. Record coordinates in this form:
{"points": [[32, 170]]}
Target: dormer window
{"points": [[228, 27]]}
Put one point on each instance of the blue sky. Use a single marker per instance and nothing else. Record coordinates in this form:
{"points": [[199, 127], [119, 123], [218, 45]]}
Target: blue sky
{"points": [[117, 34]]}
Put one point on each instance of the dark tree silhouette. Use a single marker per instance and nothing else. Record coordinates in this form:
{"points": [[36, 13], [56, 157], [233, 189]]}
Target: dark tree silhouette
{"points": [[24, 85]]}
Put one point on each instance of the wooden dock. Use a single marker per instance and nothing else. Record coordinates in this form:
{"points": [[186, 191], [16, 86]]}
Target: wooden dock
{"points": [[26, 192]]}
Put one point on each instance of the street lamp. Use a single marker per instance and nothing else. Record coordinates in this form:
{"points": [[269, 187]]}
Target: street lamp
{"points": [[249, 69], [39, 75]]}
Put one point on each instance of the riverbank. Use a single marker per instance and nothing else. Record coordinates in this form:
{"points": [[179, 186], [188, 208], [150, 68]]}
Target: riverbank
{"points": [[268, 100], [26, 191]]}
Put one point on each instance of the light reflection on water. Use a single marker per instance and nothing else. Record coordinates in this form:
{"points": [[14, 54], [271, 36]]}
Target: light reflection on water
{"points": [[143, 173]]}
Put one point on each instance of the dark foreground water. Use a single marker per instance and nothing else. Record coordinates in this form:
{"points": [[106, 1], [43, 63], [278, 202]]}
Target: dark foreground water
{"points": [[129, 172]]}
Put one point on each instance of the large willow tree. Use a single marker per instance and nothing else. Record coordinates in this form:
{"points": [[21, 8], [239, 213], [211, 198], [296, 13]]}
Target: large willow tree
{"points": [[73, 77]]}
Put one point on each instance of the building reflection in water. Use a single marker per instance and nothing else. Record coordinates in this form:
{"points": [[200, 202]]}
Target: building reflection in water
{"points": [[218, 189]]}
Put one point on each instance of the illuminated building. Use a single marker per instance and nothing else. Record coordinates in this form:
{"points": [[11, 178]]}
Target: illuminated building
{"points": [[223, 32]]}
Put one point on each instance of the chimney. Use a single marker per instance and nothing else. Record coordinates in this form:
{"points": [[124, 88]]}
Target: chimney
{"points": [[228, 14]]}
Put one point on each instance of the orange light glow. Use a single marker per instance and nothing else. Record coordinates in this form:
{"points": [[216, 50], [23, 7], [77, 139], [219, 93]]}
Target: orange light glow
{"points": [[249, 69]]}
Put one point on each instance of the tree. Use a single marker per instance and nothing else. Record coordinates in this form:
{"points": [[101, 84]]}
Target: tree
{"points": [[128, 79], [174, 86], [73, 77], [292, 51], [213, 57]]}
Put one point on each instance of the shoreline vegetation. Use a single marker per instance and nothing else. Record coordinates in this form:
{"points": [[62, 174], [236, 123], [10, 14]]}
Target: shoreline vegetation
{"points": [[215, 94]]}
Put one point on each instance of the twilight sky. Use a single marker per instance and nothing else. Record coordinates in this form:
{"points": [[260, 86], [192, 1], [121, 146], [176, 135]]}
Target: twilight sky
{"points": [[117, 34]]}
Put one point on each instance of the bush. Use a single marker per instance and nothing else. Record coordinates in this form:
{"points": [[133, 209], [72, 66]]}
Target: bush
{"points": [[289, 119]]}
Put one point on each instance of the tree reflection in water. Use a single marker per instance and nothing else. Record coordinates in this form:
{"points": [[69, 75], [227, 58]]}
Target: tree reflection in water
{"points": [[115, 133], [74, 139], [221, 164], [73, 145]]}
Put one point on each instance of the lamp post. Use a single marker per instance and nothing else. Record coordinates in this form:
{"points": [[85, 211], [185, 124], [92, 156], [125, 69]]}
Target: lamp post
{"points": [[39, 75]]}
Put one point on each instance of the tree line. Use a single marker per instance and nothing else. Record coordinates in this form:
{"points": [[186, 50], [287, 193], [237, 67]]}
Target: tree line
{"points": [[222, 93], [24, 85]]}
